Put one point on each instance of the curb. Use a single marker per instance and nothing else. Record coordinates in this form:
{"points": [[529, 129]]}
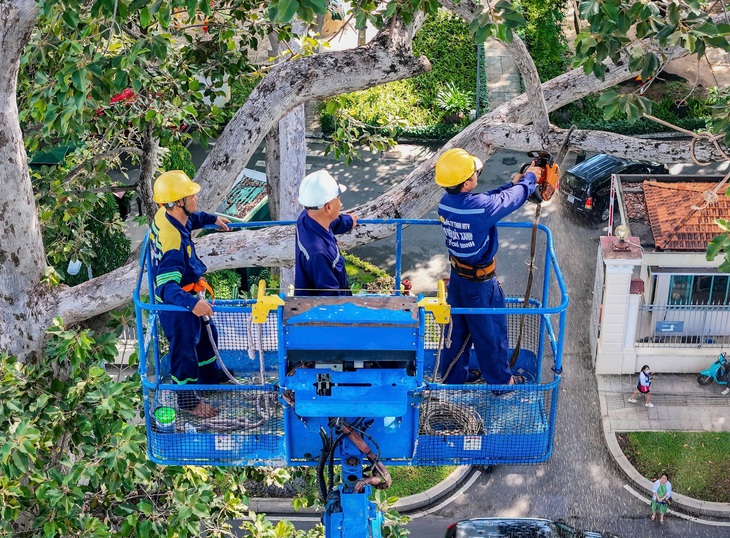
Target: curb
{"points": [[682, 502], [268, 505], [436, 493]]}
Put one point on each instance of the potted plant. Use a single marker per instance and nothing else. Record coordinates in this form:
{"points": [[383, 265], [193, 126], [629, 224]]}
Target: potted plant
{"points": [[454, 101]]}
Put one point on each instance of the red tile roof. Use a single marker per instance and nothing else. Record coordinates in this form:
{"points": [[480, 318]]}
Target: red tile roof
{"points": [[674, 224]]}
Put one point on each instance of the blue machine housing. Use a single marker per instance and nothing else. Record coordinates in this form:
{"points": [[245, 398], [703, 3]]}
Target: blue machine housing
{"points": [[352, 359], [366, 358]]}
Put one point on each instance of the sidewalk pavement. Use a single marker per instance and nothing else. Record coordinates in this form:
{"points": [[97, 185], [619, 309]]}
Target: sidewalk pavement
{"points": [[680, 404]]}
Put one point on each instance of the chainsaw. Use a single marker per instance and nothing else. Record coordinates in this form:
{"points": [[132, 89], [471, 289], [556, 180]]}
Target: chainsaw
{"points": [[547, 183]]}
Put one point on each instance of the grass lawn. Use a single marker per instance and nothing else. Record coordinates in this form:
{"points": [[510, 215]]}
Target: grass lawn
{"points": [[698, 463], [406, 480], [412, 480]]}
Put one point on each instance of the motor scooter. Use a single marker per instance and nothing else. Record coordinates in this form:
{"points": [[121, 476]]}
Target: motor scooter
{"points": [[717, 372]]}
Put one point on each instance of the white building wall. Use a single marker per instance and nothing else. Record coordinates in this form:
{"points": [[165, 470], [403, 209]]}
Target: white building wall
{"points": [[616, 349], [616, 354]]}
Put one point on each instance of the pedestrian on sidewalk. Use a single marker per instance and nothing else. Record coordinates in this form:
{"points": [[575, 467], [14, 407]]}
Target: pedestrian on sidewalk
{"points": [[643, 386], [661, 495]]}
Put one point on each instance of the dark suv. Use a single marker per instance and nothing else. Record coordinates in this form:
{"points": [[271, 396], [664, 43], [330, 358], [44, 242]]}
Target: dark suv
{"points": [[498, 527], [586, 187]]}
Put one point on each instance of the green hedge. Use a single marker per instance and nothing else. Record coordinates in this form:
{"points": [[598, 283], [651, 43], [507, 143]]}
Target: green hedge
{"points": [[446, 41], [544, 36], [586, 115]]}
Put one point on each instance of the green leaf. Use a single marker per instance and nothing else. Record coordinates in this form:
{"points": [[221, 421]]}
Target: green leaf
{"points": [[21, 461], [610, 111], [285, 9], [78, 77], [589, 8], [145, 507], [610, 10], [673, 13], [720, 243], [144, 17], [482, 33]]}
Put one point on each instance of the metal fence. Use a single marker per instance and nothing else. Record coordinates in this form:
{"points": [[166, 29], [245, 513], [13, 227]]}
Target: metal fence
{"points": [[683, 325]]}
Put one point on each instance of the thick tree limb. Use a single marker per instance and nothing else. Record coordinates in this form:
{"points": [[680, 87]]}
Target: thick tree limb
{"points": [[412, 198], [385, 59], [533, 88], [275, 246], [22, 258]]}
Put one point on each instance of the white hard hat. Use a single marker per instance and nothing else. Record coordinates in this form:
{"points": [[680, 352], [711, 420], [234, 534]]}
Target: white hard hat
{"points": [[318, 188]]}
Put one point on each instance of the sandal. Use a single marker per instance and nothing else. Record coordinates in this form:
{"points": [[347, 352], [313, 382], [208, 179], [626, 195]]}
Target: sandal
{"points": [[474, 377], [515, 380]]}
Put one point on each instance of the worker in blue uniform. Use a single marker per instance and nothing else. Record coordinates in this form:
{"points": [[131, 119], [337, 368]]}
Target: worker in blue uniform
{"points": [[469, 222], [178, 277], [320, 267]]}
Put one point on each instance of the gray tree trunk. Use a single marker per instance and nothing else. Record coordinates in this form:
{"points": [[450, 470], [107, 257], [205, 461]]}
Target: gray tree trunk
{"points": [[292, 168], [22, 257], [287, 164], [147, 172]]}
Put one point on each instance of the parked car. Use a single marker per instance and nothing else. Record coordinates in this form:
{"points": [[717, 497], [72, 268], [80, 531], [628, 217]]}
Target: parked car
{"points": [[497, 527], [585, 188]]}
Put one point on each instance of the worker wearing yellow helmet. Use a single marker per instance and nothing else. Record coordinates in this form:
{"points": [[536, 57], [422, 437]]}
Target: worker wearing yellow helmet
{"points": [[178, 277], [469, 222]]}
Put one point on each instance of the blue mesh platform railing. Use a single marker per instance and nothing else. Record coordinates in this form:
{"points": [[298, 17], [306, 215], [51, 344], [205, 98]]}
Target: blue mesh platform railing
{"points": [[366, 361]]}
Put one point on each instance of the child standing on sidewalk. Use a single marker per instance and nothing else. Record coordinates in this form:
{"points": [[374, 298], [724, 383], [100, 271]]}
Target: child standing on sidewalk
{"points": [[643, 386]]}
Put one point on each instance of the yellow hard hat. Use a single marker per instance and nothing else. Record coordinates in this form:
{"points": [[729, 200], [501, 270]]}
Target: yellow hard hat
{"points": [[455, 166], [172, 186]]}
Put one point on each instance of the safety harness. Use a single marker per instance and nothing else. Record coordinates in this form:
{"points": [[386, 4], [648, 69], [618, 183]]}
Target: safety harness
{"points": [[473, 272]]}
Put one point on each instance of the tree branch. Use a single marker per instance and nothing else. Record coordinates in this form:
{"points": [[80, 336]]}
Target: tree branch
{"points": [[386, 58], [533, 87], [410, 199], [95, 159]]}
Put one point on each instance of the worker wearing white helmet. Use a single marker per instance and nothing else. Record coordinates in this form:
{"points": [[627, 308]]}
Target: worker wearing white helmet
{"points": [[320, 268]]}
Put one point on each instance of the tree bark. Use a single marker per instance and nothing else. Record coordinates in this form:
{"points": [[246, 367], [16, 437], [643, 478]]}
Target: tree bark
{"points": [[286, 162], [533, 87], [147, 170], [292, 168], [22, 257], [273, 179]]}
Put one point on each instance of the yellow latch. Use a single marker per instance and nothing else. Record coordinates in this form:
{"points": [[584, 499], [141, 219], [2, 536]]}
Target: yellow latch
{"points": [[437, 305], [264, 304]]}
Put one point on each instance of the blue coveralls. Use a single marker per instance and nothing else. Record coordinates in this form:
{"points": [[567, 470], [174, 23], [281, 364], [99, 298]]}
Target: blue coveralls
{"points": [[469, 223], [174, 265], [320, 268]]}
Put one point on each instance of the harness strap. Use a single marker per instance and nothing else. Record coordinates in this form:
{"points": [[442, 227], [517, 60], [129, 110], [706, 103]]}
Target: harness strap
{"points": [[473, 272], [526, 299], [200, 285]]}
